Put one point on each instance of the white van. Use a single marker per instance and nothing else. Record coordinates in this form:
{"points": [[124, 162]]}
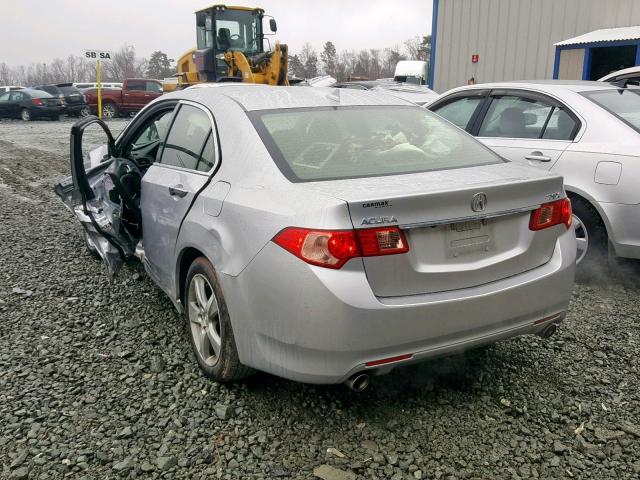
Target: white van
{"points": [[411, 71]]}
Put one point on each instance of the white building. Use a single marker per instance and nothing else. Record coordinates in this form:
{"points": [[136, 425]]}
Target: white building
{"points": [[494, 40]]}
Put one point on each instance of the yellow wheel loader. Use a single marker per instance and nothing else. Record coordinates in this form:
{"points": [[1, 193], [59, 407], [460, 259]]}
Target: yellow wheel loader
{"points": [[231, 48]]}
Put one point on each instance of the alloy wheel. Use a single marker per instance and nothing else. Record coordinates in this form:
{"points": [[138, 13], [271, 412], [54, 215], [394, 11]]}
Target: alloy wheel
{"points": [[85, 112], [204, 318], [582, 238], [25, 115], [108, 111]]}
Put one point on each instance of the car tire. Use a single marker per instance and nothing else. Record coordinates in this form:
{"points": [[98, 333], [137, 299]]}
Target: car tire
{"points": [[25, 115], [84, 112], [592, 242], [209, 329], [109, 110]]}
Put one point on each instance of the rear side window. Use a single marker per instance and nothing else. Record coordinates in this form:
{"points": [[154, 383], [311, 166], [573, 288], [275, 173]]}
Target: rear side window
{"points": [[561, 126], [137, 86], [5, 97], [154, 87], [186, 139], [311, 144], [513, 116], [459, 112]]}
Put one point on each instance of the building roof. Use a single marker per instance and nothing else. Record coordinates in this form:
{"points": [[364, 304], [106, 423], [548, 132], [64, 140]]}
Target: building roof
{"points": [[604, 35]]}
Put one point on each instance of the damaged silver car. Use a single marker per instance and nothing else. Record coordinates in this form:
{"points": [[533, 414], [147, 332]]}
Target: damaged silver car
{"points": [[324, 235]]}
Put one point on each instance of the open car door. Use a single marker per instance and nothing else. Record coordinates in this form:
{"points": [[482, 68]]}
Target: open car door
{"points": [[103, 193]]}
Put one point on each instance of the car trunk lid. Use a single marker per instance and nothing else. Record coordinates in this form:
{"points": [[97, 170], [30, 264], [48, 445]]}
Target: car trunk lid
{"points": [[451, 246]]}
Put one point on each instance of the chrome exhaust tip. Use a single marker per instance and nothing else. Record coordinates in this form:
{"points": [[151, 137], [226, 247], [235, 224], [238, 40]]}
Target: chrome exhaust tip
{"points": [[549, 331], [358, 382]]}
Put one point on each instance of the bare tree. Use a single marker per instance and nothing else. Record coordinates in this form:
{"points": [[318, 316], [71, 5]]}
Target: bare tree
{"points": [[6, 75], [365, 64], [309, 59], [124, 64], [418, 48]]}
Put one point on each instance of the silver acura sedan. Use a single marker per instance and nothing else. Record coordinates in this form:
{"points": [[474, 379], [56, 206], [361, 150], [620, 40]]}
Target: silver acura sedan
{"points": [[588, 132], [324, 235]]}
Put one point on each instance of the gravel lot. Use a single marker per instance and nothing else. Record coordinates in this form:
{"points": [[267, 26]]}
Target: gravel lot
{"points": [[97, 380]]}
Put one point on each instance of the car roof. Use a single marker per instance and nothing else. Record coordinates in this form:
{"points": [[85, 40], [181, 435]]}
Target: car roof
{"points": [[617, 73], [544, 85], [264, 97]]}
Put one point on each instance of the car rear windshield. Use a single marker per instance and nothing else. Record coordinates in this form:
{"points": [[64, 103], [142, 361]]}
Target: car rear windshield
{"points": [[623, 103], [312, 144], [38, 93], [68, 89]]}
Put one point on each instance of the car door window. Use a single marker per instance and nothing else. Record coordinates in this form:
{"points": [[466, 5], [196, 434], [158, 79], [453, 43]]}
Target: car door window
{"points": [[460, 111], [207, 159], [17, 96], [146, 142], [5, 97], [186, 139], [513, 116], [154, 87]]}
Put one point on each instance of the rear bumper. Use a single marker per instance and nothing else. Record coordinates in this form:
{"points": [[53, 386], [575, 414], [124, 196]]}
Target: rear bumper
{"points": [[319, 325], [623, 228], [74, 108]]}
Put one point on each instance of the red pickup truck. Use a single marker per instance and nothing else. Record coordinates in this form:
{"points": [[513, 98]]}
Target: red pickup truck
{"points": [[134, 94]]}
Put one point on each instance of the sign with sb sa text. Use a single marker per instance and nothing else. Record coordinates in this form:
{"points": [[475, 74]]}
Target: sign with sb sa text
{"points": [[97, 55]]}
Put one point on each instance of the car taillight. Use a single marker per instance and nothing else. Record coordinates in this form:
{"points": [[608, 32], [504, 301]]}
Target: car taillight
{"points": [[333, 248], [382, 241], [37, 101], [551, 214]]}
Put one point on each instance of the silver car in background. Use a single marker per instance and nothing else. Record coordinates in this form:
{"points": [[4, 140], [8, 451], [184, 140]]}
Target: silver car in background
{"points": [[588, 132], [324, 235]]}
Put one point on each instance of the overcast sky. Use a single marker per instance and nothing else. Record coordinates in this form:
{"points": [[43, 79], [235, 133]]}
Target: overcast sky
{"points": [[40, 30]]}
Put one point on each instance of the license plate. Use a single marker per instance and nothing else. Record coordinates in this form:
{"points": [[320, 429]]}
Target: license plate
{"points": [[470, 237]]}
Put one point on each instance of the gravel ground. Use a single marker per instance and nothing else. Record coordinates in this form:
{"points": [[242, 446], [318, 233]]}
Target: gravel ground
{"points": [[97, 380]]}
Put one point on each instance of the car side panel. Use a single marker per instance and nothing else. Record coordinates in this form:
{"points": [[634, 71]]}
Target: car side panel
{"points": [[518, 149], [581, 170]]}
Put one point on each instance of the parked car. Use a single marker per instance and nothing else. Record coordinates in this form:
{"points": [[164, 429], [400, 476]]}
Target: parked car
{"points": [[8, 88], [324, 238], [418, 94], [134, 94], [87, 85], [589, 132], [29, 104], [53, 90], [72, 99], [75, 101], [631, 75]]}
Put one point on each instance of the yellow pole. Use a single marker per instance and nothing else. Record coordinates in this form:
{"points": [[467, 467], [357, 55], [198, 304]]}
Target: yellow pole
{"points": [[99, 91]]}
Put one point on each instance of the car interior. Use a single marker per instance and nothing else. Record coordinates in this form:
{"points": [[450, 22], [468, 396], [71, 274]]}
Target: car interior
{"points": [[117, 186]]}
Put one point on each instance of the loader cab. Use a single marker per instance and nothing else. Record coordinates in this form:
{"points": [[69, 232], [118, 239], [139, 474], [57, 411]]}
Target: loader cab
{"points": [[221, 29]]}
